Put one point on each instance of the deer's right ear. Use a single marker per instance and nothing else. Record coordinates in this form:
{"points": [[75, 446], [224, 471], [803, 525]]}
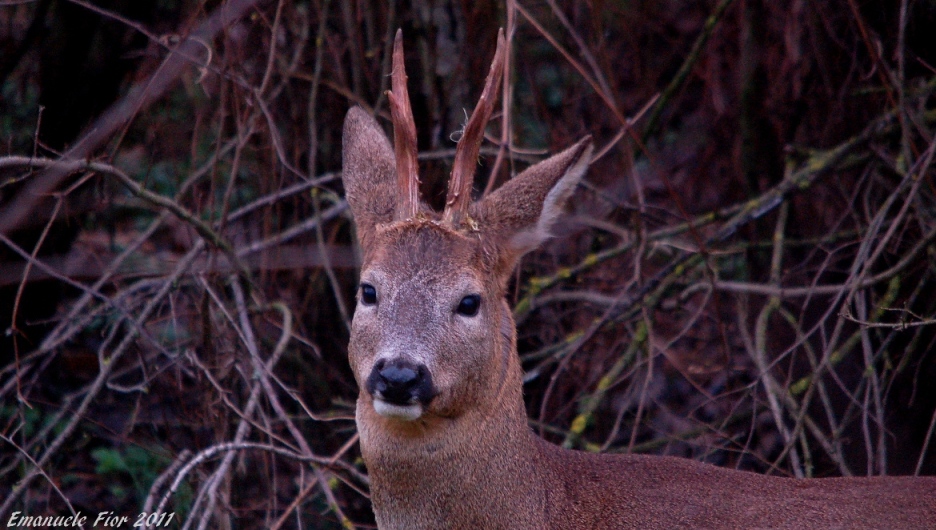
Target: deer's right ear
{"points": [[368, 172]]}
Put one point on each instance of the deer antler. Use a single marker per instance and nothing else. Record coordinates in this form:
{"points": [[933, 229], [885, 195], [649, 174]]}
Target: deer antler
{"points": [[404, 135], [466, 154]]}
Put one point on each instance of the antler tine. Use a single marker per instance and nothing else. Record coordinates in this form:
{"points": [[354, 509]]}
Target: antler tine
{"points": [[466, 154], [404, 135]]}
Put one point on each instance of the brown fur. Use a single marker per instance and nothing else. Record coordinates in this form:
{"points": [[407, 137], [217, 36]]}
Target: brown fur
{"points": [[470, 459]]}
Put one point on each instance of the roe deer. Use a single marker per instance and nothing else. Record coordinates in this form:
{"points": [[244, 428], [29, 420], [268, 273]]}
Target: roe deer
{"points": [[442, 423]]}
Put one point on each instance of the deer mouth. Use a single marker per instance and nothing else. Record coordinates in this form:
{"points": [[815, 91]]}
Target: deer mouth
{"points": [[401, 412], [401, 389]]}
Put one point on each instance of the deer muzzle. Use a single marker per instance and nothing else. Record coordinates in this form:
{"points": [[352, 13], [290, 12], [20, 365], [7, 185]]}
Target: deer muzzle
{"points": [[400, 388]]}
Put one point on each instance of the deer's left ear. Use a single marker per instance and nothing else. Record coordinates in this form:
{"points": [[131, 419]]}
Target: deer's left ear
{"points": [[520, 214]]}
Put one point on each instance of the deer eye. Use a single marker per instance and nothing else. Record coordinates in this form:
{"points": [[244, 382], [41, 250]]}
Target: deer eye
{"points": [[368, 294], [469, 305]]}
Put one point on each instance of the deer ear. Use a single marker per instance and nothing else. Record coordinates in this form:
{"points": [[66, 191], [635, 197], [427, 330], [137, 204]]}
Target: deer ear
{"points": [[368, 172], [520, 213]]}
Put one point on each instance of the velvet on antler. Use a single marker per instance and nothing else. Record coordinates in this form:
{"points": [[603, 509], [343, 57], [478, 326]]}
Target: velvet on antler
{"points": [[466, 154], [404, 136]]}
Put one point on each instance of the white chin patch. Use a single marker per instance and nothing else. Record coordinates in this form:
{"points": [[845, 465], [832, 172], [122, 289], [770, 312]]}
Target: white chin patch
{"points": [[400, 412]]}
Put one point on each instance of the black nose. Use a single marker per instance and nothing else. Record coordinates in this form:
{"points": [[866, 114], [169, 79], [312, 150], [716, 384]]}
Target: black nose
{"points": [[400, 382]]}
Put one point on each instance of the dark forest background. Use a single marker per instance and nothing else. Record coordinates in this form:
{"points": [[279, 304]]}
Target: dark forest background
{"points": [[746, 276]]}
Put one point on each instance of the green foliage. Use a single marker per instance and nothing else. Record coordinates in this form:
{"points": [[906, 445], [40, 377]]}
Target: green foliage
{"points": [[140, 467], [19, 104], [31, 420]]}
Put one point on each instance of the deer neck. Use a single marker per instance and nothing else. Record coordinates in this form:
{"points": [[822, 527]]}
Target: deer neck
{"points": [[455, 472]]}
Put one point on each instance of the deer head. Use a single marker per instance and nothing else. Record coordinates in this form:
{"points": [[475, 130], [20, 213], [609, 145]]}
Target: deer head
{"points": [[431, 326]]}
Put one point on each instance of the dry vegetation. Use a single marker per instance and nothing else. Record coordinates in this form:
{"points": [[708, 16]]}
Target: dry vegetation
{"points": [[747, 276]]}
